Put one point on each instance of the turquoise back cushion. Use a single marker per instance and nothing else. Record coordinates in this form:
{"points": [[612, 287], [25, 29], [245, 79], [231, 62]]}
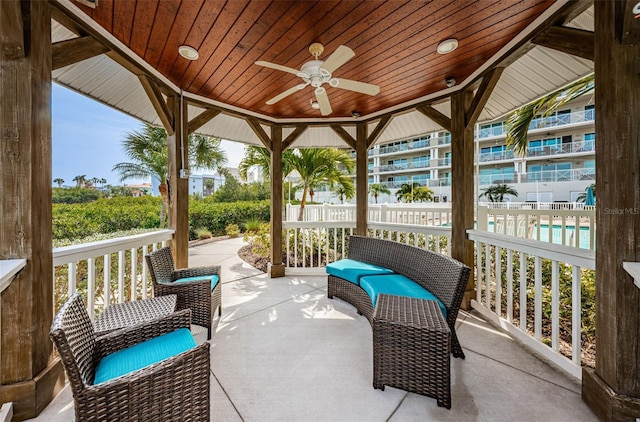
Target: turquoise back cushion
{"points": [[143, 354], [399, 285], [214, 280], [352, 270]]}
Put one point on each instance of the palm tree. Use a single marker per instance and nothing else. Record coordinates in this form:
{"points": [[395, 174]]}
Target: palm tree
{"points": [[496, 193], [376, 189], [59, 181], [95, 181], [80, 180], [315, 166], [320, 165], [407, 191], [103, 181], [343, 193], [423, 194], [519, 122], [148, 151]]}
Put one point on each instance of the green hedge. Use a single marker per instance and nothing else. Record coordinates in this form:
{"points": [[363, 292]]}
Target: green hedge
{"points": [[108, 215]]}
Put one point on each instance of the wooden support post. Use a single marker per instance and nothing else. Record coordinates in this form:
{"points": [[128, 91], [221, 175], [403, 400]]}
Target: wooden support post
{"points": [[462, 194], [29, 375], [612, 390], [276, 267], [178, 181], [362, 179]]}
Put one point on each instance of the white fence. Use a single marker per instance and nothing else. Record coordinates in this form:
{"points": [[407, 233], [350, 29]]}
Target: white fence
{"points": [[312, 245], [504, 291], [432, 214], [118, 262], [570, 227]]}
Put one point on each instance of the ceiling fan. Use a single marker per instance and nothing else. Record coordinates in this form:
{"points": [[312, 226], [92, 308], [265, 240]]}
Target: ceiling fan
{"points": [[317, 72]]}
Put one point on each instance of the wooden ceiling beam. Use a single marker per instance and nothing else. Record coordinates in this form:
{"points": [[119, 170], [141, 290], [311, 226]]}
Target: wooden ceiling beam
{"points": [[576, 42], [344, 135], [286, 143], [436, 116], [159, 104], [489, 82], [201, 119], [380, 127], [260, 133], [68, 52], [12, 41]]}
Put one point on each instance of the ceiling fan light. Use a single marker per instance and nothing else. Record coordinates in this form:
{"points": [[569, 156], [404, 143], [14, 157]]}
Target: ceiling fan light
{"points": [[447, 46], [188, 53], [315, 105]]}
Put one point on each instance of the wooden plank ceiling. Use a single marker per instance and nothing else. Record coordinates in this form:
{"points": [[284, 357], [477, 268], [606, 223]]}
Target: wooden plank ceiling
{"points": [[394, 41]]}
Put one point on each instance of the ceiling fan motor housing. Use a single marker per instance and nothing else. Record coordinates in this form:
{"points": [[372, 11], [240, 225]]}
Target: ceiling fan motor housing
{"points": [[313, 74]]}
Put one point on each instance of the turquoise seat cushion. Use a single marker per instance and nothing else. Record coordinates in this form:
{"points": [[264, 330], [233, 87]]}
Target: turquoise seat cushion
{"points": [[352, 270], [399, 285], [144, 354], [214, 279]]}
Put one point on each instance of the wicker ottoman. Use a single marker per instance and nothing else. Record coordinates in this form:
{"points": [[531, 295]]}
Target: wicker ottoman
{"points": [[411, 347]]}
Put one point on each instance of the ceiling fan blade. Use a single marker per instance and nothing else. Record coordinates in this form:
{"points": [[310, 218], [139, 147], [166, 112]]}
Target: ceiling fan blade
{"points": [[286, 94], [362, 87], [278, 67], [339, 57], [323, 101]]}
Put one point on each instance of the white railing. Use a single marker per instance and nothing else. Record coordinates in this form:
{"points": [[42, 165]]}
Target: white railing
{"points": [[311, 245], [538, 205], [118, 262], [515, 299], [570, 227], [432, 214], [542, 122]]}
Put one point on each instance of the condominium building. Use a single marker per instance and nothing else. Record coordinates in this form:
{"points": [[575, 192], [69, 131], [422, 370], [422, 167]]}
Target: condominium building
{"points": [[558, 165]]}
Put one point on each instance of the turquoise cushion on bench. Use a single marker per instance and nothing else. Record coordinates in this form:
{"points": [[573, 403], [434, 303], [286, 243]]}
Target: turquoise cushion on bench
{"points": [[352, 270], [399, 285], [214, 279], [144, 354]]}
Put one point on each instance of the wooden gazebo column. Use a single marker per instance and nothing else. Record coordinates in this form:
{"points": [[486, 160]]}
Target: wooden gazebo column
{"points": [[612, 390], [29, 376], [465, 110]]}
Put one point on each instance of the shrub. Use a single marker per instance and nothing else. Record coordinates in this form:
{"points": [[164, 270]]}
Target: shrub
{"points": [[233, 230], [253, 225], [74, 195], [202, 233]]}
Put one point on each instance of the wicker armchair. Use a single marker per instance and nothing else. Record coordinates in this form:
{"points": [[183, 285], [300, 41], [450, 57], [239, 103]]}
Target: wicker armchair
{"points": [[196, 295], [176, 388]]}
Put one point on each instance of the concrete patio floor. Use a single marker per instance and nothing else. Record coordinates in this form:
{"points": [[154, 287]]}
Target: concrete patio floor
{"points": [[282, 351]]}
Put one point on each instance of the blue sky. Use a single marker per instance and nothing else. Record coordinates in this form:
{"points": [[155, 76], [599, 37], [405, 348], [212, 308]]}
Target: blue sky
{"points": [[87, 138]]}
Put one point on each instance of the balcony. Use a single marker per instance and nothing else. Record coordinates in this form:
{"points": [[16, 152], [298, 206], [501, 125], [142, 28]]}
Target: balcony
{"points": [[566, 148], [283, 351], [576, 117], [404, 166]]}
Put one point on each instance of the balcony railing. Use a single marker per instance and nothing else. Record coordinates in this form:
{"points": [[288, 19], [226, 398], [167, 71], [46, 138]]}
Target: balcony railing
{"points": [[404, 166], [119, 263], [560, 175], [566, 148], [552, 121], [527, 303], [411, 145]]}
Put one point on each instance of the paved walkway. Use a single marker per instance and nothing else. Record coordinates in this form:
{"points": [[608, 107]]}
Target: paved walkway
{"points": [[284, 352]]}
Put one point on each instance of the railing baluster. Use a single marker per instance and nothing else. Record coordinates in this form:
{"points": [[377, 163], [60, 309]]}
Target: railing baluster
{"points": [[134, 273], [121, 277], [487, 272], [91, 287], [107, 279], [538, 299], [145, 251], [498, 251], [509, 285], [478, 272], [555, 306], [523, 292], [72, 270], [576, 315]]}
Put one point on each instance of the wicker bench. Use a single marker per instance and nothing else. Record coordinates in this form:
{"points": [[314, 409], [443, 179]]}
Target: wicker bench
{"points": [[441, 275]]}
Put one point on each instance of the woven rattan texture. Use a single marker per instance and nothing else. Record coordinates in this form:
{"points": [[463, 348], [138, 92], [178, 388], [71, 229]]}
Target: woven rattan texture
{"points": [[441, 275], [155, 393], [127, 314], [411, 347], [195, 295]]}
